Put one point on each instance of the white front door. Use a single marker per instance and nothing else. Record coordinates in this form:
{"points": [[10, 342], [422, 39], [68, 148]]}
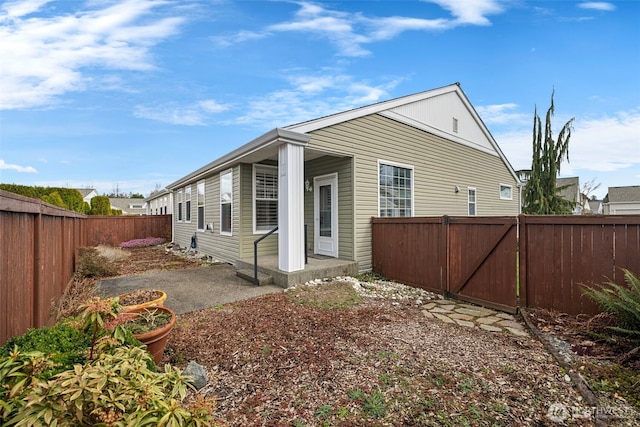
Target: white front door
{"points": [[325, 213]]}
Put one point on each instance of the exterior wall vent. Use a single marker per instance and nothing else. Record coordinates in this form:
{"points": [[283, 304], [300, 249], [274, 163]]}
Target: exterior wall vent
{"points": [[455, 125]]}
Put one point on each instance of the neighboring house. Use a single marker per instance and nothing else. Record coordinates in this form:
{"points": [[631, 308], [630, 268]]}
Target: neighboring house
{"points": [[570, 190], [622, 200], [87, 194], [592, 206], [129, 205], [159, 203], [422, 154]]}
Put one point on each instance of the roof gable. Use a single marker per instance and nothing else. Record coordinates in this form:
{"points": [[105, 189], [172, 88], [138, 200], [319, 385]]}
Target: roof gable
{"points": [[433, 111]]}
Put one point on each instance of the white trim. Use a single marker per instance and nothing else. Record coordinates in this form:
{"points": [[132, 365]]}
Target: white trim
{"points": [[226, 233], [335, 212], [253, 194], [500, 191], [180, 216], [413, 181]]}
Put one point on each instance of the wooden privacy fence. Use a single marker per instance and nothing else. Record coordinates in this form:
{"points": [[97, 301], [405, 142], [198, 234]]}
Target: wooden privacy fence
{"points": [[480, 259], [38, 250]]}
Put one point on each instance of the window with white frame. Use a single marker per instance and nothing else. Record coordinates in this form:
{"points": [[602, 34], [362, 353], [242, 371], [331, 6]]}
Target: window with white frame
{"points": [[200, 201], [187, 204], [395, 189], [265, 198], [472, 201], [180, 206], [506, 192], [226, 200]]}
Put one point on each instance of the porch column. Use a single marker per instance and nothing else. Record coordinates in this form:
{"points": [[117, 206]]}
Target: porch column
{"points": [[291, 207]]}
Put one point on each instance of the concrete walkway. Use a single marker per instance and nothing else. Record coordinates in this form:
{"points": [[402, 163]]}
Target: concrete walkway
{"points": [[472, 316]]}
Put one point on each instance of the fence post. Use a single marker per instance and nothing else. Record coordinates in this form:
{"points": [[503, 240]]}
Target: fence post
{"points": [[445, 255], [37, 264], [522, 261]]}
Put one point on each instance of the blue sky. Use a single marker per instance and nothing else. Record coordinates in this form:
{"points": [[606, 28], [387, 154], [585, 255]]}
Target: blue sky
{"points": [[135, 94]]}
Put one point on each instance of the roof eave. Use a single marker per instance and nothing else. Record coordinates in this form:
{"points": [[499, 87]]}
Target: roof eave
{"points": [[274, 137]]}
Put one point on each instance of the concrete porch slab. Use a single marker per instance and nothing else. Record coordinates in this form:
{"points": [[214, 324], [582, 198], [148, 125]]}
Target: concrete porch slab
{"points": [[315, 269]]}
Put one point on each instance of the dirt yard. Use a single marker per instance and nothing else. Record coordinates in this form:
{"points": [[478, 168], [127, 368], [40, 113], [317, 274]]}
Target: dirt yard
{"points": [[273, 361]]}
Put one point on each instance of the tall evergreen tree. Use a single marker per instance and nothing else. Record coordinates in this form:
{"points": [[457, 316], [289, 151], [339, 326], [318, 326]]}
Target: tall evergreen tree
{"points": [[541, 195]]}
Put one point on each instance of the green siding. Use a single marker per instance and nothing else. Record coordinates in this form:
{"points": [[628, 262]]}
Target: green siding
{"points": [[268, 246], [439, 165], [324, 166], [212, 243]]}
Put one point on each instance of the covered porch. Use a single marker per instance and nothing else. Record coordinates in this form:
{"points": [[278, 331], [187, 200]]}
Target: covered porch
{"points": [[317, 267]]}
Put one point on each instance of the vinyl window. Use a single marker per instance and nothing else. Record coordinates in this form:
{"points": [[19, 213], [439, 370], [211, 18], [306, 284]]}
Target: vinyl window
{"points": [[472, 201], [265, 198], [395, 190], [187, 204], [200, 201], [180, 206], [226, 202], [506, 192]]}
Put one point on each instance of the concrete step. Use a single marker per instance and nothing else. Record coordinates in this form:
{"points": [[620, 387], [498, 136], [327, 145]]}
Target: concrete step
{"points": [[247, 274]]}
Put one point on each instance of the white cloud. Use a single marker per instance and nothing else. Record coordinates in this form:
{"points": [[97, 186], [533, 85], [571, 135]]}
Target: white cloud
{"points": [[501, 114], [602, 144], [597, 5], [45, 56], [349, 32], [312, 96], [470, 11], [191, 115], [17, 168]]}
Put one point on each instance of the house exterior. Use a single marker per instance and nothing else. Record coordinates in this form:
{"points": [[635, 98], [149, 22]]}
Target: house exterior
{"points": [[570, 190], [129, 205], [159, 203], [422, 154], [622, 200], [87, 194]]}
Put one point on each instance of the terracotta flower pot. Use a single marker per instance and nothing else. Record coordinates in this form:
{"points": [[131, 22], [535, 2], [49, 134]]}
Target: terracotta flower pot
{"points": [[156, 302], [155, 340]]}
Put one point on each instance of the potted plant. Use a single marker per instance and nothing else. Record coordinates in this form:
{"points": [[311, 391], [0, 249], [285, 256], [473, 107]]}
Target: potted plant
{"points": [[151, 326], [142, 298]]}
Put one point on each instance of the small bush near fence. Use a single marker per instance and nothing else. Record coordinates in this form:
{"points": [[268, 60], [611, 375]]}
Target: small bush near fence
{"points": [[92, 264], [141, 243]]}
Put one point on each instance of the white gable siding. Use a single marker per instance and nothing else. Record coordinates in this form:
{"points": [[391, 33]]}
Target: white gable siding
{"points": [[436, 115]]}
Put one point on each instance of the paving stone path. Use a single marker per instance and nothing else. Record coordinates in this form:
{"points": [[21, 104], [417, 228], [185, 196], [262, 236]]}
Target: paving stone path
{"points": [[472, 316]]}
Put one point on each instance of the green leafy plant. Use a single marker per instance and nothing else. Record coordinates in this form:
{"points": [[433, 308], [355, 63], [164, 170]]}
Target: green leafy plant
{"points": [[623, 302], [63, 344], [116, 389]]}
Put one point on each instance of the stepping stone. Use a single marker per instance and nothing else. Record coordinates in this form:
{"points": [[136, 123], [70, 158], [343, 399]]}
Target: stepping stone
{"points": [[490, 328], [506, 316], [427, 314], [429, 306], [509, 324], [444, 318], [459, 316], [440, 310], [488, 320], [475, 312], [476, 308], [517, 331], [465, 323]]}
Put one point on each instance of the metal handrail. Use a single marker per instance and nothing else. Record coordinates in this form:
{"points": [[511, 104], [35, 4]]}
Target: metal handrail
{"points": [[255, 254]]}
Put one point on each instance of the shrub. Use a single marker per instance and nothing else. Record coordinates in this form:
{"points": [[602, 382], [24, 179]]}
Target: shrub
{"points": [[100, 205], [92, 264], [63, 344], [115, 389], [622, 301], [141, 243]]}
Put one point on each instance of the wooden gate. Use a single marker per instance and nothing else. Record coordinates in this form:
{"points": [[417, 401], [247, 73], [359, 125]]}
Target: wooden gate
{"points": [[481, 261]]}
